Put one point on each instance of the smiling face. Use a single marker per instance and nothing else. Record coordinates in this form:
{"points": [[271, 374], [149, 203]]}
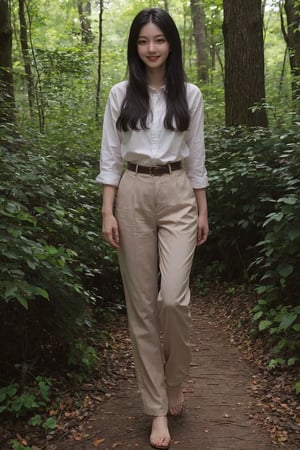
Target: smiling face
{"points": [[153, 47]]}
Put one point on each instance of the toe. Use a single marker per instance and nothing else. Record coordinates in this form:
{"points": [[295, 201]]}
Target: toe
{"points": [[160, 437]]}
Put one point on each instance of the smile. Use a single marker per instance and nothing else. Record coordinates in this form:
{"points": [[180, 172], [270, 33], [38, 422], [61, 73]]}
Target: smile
{"points": [[152, 58]]}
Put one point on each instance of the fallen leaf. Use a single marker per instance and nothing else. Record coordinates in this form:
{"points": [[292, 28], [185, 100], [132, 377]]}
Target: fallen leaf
{"points": [[98, 442], [76, 436], [21, 440]]}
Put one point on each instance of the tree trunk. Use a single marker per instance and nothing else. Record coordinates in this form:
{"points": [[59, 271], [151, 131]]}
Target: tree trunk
{"points": [[292, 38], [7, 98], [26, 54], [244, 63], [86, 31], [101, 5], [199, 30]]}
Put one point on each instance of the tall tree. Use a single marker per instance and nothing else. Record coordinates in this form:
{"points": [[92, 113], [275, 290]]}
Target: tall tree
{"points": [[291, 34], [84, 11], [99, 68], [26, 54], [199, 31], [7, 98], [244, 63]]}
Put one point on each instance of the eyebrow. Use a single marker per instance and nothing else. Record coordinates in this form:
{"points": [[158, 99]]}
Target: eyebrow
{"points": [[156, 36]]}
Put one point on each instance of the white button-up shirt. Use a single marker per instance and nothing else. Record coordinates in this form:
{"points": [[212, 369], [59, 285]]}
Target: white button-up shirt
{"points": [[156, 145]]}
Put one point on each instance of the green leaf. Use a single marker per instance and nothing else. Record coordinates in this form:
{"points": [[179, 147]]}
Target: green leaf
{"points": [[75, 229], [47, 190], [50, 424], [273, 363], [277, 217], [35, 420], [257, 315], [292, 361], [264, 324], [10, 291], [290, 200], [42, 292], [281, 344], [297, 387], [23, 301], [287, 320], [285, 270]]}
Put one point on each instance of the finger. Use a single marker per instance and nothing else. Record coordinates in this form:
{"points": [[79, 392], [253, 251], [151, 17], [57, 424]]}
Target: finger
{"points": [[108, 237], [202, 237], [116, 235], [111, 239]]}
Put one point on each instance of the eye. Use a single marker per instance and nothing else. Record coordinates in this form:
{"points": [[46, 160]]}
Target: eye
{"points": [[161, 40], [142, 41]]}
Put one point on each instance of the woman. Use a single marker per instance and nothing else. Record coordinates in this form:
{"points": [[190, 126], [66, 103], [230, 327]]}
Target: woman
{"points": [[153, 125]]}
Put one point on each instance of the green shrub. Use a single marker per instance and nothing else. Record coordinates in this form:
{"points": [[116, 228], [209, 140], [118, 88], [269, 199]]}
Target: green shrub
{"points": [[244, 167], [254, 214], [16, 402], [277, 265], [56, 274]]}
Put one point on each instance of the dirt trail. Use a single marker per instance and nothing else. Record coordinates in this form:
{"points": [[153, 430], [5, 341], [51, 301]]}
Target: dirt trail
{"points": [[219, 410]]}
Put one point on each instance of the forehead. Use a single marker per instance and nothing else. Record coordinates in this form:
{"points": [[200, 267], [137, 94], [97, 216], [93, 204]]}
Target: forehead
{"points": [[150, 29]]}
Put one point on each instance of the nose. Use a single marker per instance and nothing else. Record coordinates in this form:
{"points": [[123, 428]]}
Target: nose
{"points": [[151, 46]]}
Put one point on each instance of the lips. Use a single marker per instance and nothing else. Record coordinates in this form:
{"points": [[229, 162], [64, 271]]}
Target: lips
{"points": [[152, 58]]}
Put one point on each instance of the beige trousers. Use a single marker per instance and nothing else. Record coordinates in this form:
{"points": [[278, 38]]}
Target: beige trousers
{"points": [[157, 217]]}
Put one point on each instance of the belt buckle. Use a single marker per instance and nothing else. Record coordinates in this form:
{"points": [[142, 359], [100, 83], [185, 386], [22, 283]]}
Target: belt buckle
{"points": [[152, 170]]}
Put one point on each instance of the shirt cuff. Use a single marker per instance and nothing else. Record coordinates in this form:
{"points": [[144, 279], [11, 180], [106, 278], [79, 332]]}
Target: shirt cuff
{"points": [[112, 180], [199, 183]]}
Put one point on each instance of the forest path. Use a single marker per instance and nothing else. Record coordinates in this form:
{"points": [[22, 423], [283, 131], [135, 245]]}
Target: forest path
{"points": [[220, 414]]}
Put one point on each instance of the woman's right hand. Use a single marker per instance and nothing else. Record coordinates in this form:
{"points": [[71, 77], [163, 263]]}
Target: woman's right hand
{"points": [[110, 230]]}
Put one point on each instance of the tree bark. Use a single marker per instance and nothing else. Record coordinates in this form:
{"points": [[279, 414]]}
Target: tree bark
{"points": [[292, 38], [86, 31], [199, 31], [244, 63], [101, 6], [7, 98], [26, 55]]}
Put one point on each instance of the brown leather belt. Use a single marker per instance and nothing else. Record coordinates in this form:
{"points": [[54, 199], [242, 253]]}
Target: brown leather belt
{"points": [[155, 170]]}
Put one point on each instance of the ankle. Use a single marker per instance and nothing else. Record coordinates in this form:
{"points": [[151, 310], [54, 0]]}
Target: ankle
{"points": [[160, 419]]}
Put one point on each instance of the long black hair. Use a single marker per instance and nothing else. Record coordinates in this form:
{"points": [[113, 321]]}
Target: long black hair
{"points": [[135, 107]]}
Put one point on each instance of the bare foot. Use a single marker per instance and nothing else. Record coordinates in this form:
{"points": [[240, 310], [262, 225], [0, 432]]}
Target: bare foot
{"points": [[160, 436], [176, 400]]}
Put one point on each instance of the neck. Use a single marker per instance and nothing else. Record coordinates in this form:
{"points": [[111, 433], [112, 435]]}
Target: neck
{"points": [[156, 78]]}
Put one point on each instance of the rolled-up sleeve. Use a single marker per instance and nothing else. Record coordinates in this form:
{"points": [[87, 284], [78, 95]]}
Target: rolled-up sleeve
{"points": [[111, 161], [195, 162]]}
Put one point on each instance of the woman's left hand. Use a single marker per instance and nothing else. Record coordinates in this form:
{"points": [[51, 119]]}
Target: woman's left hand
{"points": [[203, 229]]}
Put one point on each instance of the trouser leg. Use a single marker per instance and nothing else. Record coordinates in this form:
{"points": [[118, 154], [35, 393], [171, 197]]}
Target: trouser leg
{"points": [[174, 300], [176, 242], [139, 268]]}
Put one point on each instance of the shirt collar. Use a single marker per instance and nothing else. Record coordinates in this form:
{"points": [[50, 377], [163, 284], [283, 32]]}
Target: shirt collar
{"points": [[152, 89]]}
